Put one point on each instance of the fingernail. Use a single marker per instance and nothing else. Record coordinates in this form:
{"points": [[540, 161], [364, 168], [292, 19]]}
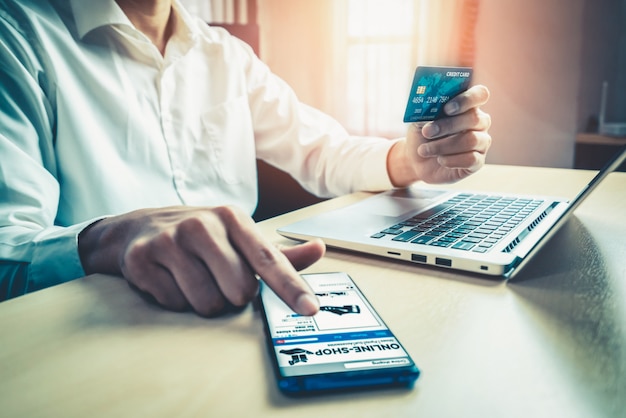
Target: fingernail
{"points": [[431, 130], [307, 304], [451, 108]]}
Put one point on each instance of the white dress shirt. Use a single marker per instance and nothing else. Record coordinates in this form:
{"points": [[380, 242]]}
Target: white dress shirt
{"points": [[94, 121]]}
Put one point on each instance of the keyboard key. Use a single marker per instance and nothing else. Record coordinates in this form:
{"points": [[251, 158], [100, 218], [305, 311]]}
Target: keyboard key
{"points": [[392, 231], [424, 239], [406, 236], [464, 245], [491, 224], [432, 211]]}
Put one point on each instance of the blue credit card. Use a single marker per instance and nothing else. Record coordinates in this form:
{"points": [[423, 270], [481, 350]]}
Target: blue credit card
{"points": [[431, 90]]}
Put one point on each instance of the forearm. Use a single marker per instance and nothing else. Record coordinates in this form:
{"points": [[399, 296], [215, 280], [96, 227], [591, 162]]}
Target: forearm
{"points": [[323, 157], [310, 145]]}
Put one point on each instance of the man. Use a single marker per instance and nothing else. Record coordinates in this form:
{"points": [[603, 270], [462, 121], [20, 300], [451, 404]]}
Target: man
{"points": [[128, 137]]}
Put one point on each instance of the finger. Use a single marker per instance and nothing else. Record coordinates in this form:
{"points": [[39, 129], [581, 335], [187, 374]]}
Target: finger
{"points": [[303, 255], [162, 267], [474, 119], [142, 272], [215, 274], [275, 268], [475, 96], [468, 141], [199, 286], [415, 132], [470, 161]]}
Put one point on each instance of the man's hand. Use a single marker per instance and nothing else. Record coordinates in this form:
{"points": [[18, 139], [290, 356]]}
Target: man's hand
{"points": [[448, 149], [205, 259]]}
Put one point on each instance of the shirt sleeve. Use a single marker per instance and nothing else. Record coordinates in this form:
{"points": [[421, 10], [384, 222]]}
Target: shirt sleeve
{"points": [[34, 252], [309, 144]]}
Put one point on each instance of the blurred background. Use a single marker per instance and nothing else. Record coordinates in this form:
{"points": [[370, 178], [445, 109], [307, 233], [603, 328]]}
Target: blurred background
{"points": [[544, 61]]}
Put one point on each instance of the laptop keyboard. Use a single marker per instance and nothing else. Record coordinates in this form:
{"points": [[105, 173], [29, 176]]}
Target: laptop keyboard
{"points": [[467, 222]]}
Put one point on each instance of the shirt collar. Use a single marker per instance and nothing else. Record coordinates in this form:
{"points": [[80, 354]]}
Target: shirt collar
{"points": [[186, 24], [90, 15]]}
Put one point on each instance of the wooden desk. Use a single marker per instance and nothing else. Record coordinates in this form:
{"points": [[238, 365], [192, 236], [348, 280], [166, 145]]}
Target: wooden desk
{"points": [[550, 343]]}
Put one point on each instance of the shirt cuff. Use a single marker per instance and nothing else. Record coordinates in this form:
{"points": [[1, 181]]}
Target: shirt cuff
{"points": [[56, 259], [373, 175]]}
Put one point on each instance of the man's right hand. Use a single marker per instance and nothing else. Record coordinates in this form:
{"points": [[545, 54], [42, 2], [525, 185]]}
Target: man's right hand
{"points": [[200, 258]]}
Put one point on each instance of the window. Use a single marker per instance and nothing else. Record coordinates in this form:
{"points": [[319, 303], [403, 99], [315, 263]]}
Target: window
{"points": [[383, 41], [378, 64]]}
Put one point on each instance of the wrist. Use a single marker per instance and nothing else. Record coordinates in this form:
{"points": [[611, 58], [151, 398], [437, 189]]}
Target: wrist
{"points": [[96, 248], [400, 170]]}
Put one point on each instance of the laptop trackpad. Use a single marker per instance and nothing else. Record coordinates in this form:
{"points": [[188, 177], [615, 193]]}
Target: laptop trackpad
{"points": [[401, 202], [373, 214]]}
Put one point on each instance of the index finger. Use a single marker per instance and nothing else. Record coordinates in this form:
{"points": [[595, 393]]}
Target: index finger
{"points": [[473, 97], [275, 269]]}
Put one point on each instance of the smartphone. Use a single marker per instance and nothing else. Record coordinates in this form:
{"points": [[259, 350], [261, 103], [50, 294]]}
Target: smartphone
{"points": [[345, 346]]}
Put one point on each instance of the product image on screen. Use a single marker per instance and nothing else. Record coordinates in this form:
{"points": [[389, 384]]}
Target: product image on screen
{"points": [[346, 335], [432, 88]]}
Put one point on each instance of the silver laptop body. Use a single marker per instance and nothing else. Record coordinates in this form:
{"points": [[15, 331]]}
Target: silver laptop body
{"points": [[490, 234]]}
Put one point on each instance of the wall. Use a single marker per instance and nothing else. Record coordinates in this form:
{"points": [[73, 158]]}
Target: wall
{"points": [[296, 44], [544, 66], [603, 58]]}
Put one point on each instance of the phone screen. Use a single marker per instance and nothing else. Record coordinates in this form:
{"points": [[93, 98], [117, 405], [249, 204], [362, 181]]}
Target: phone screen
{"points": [[346, 344]]}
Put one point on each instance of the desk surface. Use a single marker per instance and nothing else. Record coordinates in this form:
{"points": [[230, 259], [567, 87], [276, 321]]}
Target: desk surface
{"points": [[551, 342]]}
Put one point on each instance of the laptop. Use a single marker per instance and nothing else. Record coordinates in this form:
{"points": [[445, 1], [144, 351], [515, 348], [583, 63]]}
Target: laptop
{"points": [[485, 233]]}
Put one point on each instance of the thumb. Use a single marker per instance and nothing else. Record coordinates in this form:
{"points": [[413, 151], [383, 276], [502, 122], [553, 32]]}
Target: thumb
{"points": [[303, 255], [414, 135]]}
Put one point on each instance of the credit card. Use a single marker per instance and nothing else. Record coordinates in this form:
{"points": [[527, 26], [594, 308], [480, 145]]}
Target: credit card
{"points": [[432, 88]]}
